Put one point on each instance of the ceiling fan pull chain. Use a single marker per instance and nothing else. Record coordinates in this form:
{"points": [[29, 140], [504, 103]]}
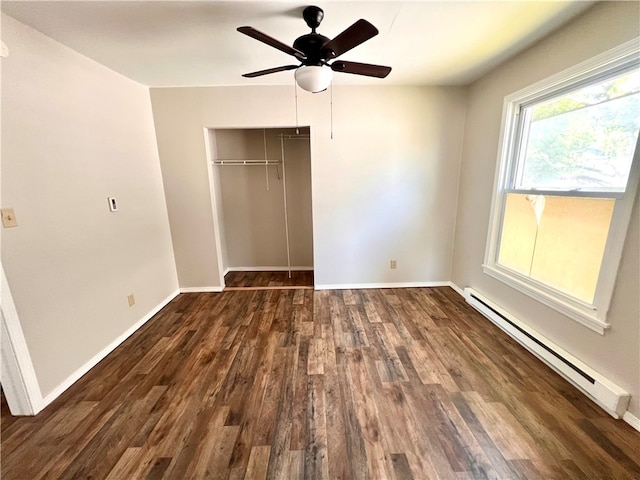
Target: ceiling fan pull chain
{"points": [[295, 89]]}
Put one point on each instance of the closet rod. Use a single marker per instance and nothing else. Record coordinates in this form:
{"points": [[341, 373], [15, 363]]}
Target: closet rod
{"points": [[295, 137], [246, 162]]}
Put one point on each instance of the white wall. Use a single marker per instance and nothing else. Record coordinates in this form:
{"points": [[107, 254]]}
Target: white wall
{"points": [[185, 174], [253, 208], [385, 187], [616, 355], [74, 133]]}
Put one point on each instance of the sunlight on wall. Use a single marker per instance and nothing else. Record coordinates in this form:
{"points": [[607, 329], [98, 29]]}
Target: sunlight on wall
{"points": [[565, 248]]}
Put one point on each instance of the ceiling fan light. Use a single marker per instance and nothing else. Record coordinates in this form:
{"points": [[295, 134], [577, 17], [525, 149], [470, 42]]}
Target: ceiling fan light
{"points": [[313, 78]]}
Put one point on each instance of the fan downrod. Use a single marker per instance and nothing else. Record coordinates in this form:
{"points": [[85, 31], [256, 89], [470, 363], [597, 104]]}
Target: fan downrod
{"points": [[313, 17]]}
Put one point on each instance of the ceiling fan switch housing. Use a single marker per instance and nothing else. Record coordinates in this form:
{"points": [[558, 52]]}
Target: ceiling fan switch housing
{"points": [[313, 16]]}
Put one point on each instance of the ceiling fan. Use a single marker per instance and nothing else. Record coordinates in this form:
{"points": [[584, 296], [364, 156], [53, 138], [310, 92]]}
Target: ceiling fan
{"points": [[314, 52]]}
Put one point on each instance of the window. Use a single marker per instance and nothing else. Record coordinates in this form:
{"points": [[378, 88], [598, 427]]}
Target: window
{"points": [[565, 185]]}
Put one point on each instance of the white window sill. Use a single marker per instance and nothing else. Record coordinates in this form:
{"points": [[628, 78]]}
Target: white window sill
{"points": [[581, 312]]}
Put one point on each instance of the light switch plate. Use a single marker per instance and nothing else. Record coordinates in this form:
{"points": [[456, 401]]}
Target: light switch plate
{"points": [[113, 204], [9, 218]]}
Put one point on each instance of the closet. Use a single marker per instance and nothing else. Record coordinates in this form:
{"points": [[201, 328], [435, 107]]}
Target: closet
{"points": [[262, 187]]}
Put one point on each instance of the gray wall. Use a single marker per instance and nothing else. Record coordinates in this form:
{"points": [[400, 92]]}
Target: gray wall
{"points": [[385, 187], [74, 133], [616, 355]]}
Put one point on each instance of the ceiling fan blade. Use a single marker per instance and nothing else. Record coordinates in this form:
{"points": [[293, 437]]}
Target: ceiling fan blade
{"points": [[359, 32], [360, 68], [270, 70], [272, 42]]}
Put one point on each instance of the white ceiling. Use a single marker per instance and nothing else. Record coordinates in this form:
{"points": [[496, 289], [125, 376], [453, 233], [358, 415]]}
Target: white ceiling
{"points": [[195, 43]]}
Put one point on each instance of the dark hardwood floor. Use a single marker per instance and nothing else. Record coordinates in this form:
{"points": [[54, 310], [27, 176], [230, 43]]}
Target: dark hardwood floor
{"points": [[299, 278], [289, 384]]}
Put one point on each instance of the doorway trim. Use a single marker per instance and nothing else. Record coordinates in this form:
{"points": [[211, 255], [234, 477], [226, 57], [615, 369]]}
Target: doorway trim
{"points": [[215, 190], [208, 138], [19, 381]]}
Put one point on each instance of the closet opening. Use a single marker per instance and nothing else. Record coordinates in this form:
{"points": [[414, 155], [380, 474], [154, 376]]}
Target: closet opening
{"points": [[261, 193]]}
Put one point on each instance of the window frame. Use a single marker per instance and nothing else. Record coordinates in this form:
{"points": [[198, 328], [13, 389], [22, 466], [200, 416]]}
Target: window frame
{"points": [[594, 315]]}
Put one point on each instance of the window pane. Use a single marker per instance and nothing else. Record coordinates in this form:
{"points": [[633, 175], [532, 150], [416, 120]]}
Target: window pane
{"points": [[558, 241], [584, 140]]}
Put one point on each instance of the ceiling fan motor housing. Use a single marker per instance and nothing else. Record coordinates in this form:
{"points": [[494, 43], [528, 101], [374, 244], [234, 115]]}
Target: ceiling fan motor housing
{"points": [[311, 45]]}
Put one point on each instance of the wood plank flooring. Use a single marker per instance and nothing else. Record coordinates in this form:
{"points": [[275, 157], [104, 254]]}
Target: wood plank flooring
{"points": [[299, 278], [296, 384]]}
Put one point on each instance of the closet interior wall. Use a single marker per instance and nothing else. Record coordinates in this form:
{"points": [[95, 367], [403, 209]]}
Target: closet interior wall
{"points": [[251, 203]]}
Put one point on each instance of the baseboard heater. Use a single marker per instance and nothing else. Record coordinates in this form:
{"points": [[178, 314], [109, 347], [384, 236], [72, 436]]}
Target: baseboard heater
{"points": [[602, 391]]}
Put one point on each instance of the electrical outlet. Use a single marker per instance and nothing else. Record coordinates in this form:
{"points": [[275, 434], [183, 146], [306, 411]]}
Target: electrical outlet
{"points": [[131, 299], [9, 218], [393, 264]]}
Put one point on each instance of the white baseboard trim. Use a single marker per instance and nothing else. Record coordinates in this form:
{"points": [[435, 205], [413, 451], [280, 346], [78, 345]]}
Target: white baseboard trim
{"points": [[632, 420], [201, 289], [459, 290], [361, 286], [266, 269], [75, 376]]}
